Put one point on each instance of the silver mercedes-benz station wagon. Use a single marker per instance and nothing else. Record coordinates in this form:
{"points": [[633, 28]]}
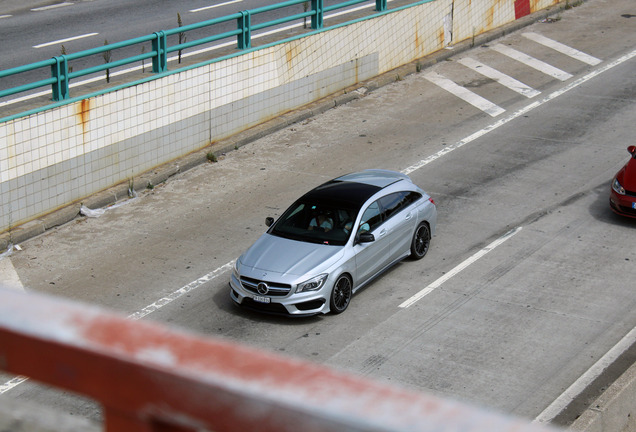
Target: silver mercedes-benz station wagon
{"points": [[333, 241]]}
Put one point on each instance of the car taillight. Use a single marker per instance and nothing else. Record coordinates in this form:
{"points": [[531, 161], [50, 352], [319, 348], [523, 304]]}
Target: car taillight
{"points": [[431, 200]]}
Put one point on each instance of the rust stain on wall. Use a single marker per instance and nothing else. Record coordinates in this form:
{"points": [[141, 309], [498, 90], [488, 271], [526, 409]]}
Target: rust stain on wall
{"points": [[83, 113], [440, 38], [291, 51], [535, 5]]}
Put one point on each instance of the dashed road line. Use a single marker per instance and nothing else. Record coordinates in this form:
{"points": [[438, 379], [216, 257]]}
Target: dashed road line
{"points": [[180, 292], [501, 78], [563, 49], [15, 381], [433, 286], [465, 94], [60, 41], [54, 6], [215, 6], [534, 63]]}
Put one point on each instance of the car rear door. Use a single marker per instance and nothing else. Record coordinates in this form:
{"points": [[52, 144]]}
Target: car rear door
{"points": [[400, 217]]}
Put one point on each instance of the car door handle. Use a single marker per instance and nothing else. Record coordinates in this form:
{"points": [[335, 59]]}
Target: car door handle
{"points": [[382, 233], [408, 216]]}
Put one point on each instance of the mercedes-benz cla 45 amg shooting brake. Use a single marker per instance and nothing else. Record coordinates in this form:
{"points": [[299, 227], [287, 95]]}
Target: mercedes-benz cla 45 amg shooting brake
{"points": [[333, 241]]}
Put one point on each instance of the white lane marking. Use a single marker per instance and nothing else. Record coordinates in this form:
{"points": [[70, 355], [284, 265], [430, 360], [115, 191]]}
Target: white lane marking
{"points": [[532, 62], [14, 382], [563, 49], [586, 379], [433, 286], [5, 16], [55, 6], [181, 291], [500, 77], [215, 6], [464, 94], [519, 113], [60, 41]]}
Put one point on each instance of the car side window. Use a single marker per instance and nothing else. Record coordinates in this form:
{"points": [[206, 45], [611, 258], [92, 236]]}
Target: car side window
{"points": [[396, 202], [371, 218], [411, 197], [393, 203]]}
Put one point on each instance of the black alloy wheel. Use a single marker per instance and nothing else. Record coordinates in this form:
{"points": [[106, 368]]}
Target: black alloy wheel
{"points": [[341, 294], [421, 241]]}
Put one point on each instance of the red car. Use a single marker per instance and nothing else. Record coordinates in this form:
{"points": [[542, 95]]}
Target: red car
{"points": [[623, 195]]}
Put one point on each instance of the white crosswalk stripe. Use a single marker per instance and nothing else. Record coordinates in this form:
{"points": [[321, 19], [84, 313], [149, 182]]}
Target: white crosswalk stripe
{"points": [[534, 63], [500, 77], [563, 49], [465, 94]]}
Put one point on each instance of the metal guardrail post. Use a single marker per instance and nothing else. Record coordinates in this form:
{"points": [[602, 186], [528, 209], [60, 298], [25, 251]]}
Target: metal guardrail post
{"points": [[317, 19], [380, 5], [159, 45], [244, 25], [59, 72]]}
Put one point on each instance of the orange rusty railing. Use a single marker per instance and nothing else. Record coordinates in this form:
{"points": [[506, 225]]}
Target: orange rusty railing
{"points": [[149, 377]]}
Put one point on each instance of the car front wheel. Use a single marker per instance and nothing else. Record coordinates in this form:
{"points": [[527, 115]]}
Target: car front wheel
{"points": [[421, 241], [341, 294]]}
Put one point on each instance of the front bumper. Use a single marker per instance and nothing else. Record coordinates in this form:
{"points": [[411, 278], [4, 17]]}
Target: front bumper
{"points": [[624, 205], [305, 304]]}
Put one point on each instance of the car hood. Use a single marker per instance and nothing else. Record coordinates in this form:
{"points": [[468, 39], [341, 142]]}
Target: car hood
{"points": [[277, 254], [627, 175]]}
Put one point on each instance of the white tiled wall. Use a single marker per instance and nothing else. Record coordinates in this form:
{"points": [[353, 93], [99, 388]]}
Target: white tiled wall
{"points": [[55, 157]]}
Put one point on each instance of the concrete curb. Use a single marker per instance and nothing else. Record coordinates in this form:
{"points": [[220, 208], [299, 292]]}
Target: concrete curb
{"points": [[614, 410], [162, 173]]}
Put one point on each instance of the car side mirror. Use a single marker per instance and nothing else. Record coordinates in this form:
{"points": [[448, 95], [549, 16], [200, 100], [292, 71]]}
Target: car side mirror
{"points": [[365, 237], [269, 221], [632, 150]]}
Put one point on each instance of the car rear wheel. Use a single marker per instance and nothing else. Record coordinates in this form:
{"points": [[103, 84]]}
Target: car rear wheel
{"points": [[421, 241], [341, 294]]}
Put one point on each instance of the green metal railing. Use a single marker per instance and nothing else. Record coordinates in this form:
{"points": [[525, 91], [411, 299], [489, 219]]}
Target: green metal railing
{"points": [[62, 74]]}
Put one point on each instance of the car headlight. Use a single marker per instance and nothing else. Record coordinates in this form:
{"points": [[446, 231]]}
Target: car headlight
{"points": [[618, 188], [235, 271], [312, 284]]}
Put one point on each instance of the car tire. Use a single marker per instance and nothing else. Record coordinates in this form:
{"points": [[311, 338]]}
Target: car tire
{"points": [[421, 241], [341, 294]]}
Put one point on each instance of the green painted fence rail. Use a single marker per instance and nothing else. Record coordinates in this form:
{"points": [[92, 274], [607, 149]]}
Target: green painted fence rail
{"points": [[62, 74]]}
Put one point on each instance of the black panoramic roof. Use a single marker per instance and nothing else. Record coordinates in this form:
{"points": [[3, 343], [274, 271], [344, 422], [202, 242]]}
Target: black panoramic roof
{"points": [[342, 193]]}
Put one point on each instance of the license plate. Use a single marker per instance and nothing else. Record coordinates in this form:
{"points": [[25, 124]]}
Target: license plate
{"points": [[634, 205], [262, 299]]}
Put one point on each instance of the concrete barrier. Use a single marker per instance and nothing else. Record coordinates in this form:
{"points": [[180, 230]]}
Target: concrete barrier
{"points": [[614, 410]]}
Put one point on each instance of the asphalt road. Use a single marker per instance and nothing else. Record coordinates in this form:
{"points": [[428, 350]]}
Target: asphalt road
{"points": [[529, 279]]}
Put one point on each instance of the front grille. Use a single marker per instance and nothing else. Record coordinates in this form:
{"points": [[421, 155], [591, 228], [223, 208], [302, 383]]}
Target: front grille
{"points": [[627, 210], [630, 193], [309, 305], [274, 289]]}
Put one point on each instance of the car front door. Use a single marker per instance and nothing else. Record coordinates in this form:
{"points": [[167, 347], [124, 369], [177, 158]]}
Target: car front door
{"points": [[371, 256]]}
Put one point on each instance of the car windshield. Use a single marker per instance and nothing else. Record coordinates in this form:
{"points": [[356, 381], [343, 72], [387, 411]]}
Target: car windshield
{"points": [[316, 222]]}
